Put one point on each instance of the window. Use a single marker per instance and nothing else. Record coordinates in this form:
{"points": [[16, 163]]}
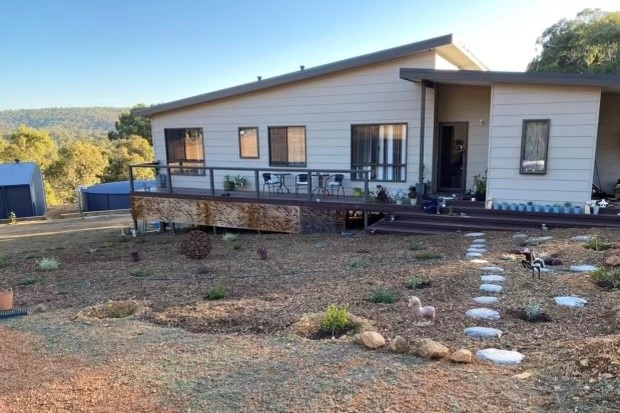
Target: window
{"points": [[185, 147], [379, 149], [534, 145], [248, 143], [287, 146]]}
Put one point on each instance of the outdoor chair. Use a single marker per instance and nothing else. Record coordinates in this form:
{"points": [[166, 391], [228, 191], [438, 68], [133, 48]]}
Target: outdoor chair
{"points": [[334, 184], [270, 182], [301, 181]]}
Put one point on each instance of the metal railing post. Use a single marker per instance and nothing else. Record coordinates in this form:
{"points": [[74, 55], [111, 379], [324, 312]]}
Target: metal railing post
{"points": [[212, 181], [257, 183], [310, 185], [169, 179]]}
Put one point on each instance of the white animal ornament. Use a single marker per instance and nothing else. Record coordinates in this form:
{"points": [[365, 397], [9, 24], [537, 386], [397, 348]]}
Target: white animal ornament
{"points": [[422, 315]]}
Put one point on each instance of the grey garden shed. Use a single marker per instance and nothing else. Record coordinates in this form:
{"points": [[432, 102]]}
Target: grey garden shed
{"points": [[21, 190]]}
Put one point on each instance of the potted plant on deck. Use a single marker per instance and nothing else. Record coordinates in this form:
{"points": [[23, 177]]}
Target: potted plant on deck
{"points": [[413, 195], [240, 182], [229, 184], [480, 186]]}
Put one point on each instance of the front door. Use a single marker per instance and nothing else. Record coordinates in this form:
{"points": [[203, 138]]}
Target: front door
{"points": [[452, 154]]}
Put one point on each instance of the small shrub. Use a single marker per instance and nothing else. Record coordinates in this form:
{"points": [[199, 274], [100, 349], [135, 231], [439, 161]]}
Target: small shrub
{"points": [[428, 255], [230, 237], [358, 263], [336, 319], [597, 245], [120, 309], [418, 246], [236, 245], [532, 310], [383, 296], [417, 282], [48, 264], [606, 277], [263, 253], [29, 281], [140, 273], [217, 293]]}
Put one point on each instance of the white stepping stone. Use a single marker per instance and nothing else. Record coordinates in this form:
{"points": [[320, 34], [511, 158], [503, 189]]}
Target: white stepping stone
{"points": [[475, 234], [504, 357], [491, 288], [492, 278], [480, 250], [486, 300], [546, 270], [541, 239], [581, 238], [492, 269], [569, 301], [519, 236], [478, 261], [479, 246], [583, 268], [479, 241], [473, 255], [485, 313], [482, 332]]}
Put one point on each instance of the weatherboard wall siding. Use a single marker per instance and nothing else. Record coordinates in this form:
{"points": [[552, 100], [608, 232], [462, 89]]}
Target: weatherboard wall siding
{"points": [[608, 146], [326, 106], [573, 114], [471, 104]]}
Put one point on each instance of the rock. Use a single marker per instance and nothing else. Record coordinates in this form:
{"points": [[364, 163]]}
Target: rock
{"points": [[552, 261], [486, 300], [478, 261], [492, 269], [523, 376], [505, 357], [479, 241], [473, 255], [475, 234], [581, 238], [491, 288], [39, 308], [400, 345], [570, 301], [429, 349], [583, 268], [485, 313], [519, 236], [372, 339], [611, 258], [462, 356], [492, 278], [483, 332], [480, 250]]}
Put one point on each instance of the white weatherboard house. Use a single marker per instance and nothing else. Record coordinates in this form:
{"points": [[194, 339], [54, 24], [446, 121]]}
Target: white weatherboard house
{"points": [[541, 137]]}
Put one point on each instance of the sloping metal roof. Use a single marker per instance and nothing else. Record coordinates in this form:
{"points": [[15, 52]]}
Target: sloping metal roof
{"points": [[12, 174], [475, 77], [309, 73]]}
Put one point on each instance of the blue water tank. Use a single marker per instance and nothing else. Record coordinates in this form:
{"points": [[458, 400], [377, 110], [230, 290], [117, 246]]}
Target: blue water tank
{"points": [[112, 195]]}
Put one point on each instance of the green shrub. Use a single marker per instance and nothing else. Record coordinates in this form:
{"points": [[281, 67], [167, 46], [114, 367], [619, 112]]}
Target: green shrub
{"points": [[607, 277], [418, 246], [48, 264], [532, 310], [230, 237], [358, 263], [415, 282], [140, 273], [428, 255], [120, 309], [29, 281], [383, 296], [336, 319], [236, 245], [596, 244], [217, 293]]}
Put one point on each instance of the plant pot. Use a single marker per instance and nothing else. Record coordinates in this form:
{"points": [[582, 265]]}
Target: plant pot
{"points": [[577, 210], [513, 207], [413, 201], [537, 208], [421, 189], [567, 210], [505, 206], [6, 299], [229, 186], [556, 209], [399, 202], [481, 196], [521, 207], [529, 208], [497, 206], [595, 209], [547, 208]]}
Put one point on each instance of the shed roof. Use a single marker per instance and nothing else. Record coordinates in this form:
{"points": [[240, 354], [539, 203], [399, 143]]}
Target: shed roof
{"points": [[19, 173], [444, 45], [474, 77]]}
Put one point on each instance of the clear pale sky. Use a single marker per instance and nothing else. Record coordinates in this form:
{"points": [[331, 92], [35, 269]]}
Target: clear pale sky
{"points": [[59, 53]]}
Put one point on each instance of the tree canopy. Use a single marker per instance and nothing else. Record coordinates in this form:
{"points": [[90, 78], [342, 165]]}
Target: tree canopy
{"points": [[125, 152], [129, 124], [588, 43], [29, 144]]}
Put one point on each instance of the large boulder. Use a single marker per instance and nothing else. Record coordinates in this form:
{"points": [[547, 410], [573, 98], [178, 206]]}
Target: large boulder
{"points": [[429, 349], [462, 356], [371, 339], [612, 258], [400, 345]]}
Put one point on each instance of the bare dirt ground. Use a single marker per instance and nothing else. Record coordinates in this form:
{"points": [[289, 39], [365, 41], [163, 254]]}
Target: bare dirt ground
{"points": [[186, 353]]}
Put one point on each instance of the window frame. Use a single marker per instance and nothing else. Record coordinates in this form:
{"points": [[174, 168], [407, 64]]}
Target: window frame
{"points": [[530, 171], [289, 164], [241, 156], [399, 165], [178, 170]]}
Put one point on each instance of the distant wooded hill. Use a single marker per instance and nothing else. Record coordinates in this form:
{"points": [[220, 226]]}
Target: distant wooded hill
{"points": [[63, 123]]}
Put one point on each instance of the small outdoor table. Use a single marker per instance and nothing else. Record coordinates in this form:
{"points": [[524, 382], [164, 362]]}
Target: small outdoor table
{"points": [[282, 179], [321, 184]]}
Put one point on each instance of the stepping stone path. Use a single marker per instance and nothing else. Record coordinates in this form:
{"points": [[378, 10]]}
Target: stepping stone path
{"points": [[478, 261], [583, 268], [570, 301], [479, 241], [480, 250], [581, 238], [520, 236], [473, 255], [492, 269], [491, 288], [483, 332], [485, 313], [505, 357], [492, 278], [486, 300], [475, 234]]}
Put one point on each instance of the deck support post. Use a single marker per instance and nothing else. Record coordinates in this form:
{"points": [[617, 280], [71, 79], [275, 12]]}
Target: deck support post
{"points": [[422, 127]]}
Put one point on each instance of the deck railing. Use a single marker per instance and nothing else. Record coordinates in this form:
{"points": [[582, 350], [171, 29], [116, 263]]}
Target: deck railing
{"points": [[164, 175]]}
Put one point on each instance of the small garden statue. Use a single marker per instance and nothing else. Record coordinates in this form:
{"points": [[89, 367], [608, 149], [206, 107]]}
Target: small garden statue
{"points": [[531, 262], [422, 315]]}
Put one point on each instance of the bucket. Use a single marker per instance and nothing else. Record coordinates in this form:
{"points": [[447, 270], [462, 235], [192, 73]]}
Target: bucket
{"points": [[6, 299]]}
